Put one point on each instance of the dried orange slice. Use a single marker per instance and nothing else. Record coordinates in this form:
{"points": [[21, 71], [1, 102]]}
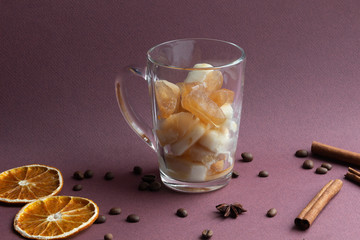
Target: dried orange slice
{"points": [[28, 183], [55, 217]]}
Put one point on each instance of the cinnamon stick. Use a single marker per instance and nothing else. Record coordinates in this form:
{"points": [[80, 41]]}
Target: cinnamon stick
{"points": [[353, 175], [335, 153], [308, 215]]}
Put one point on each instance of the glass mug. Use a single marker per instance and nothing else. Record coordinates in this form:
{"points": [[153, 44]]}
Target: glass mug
{"points": [[196, 91]]}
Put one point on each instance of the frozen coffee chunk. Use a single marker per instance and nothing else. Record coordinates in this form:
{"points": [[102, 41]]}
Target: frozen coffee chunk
{"points": [[213, 81], [219, 169], [198, 75], [222, 96], [190, 138], [185, 169], [167, 97], [198, 103], [174, 127]]}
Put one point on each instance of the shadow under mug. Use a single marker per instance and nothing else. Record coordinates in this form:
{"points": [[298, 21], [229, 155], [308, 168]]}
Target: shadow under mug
{"points": [[196, 91]]}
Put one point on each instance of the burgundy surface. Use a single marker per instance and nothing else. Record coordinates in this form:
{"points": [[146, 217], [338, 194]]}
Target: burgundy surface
{"points": [[58, 61]]}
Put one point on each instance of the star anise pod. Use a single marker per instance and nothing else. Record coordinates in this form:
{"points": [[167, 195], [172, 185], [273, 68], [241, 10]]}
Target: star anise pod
{"points": [[230, 210]]}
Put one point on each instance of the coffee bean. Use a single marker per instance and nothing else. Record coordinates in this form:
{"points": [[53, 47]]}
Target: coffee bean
{"points": [[263, 173], [88, 174], [109, 176], [77, 187], [235, 174], [115, 211], [78, 175], [321, 170], [328, 166], [100, 219], [181, 212], [108, 236], [272, 212], [301, 153], [133, 218], [148, 178], [308, 164], [137, 170], [247, 157], [143, 186], [155, 186], [206, 234]]}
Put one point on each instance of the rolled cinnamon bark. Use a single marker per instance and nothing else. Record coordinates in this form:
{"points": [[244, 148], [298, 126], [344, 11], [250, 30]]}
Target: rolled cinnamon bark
{"points": [[335, 153], [353, 175], [308, 215]]}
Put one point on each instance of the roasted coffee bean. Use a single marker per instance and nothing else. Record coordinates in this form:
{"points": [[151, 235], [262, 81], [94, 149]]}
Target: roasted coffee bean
{"points": [[100, 219], [78, 175], [143, 186], [137, 170], [155, 186], [272, 212], [115, 211], [301, 153], [235, 174], [109, 176], [133, 218], [247, 157], [328, 166], [308, 164], [108, 236], [88, 174], [148, 178], [321, 170], [181, 212], [77, 187], [206, 234], [263, 173]]}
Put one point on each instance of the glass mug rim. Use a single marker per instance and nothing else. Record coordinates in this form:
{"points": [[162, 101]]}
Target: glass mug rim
{"points": [[240, 59]]}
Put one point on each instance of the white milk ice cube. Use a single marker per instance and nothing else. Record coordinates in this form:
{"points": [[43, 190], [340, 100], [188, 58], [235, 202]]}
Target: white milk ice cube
{"points": [[227, 110], [189, 139], [229, 124], [216, 141], [200, 154], [184, 169], [198, 75]]}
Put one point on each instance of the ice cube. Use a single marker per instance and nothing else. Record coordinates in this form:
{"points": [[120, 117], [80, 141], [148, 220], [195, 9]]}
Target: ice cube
{"points": [[227, 110], [229, 126], [198, 75], [198, 153], [167, 97], [216, 141], [222, 96], [175, 127], [198, 103], [184, 169], [213, 81], [219, 169], [186, 88], [193, 134]]}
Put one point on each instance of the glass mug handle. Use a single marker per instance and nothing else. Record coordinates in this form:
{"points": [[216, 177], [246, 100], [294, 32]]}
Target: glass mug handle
{"points": [[137, 125]]}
